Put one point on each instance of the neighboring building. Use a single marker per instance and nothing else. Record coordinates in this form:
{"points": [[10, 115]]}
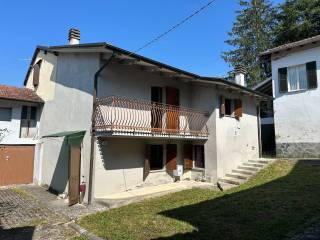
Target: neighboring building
{"points": [[148, 118], [20, 110], [268, 143], [295, 76]]}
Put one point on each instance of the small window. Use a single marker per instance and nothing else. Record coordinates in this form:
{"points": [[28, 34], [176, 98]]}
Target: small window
{"points": [[297, 78], [5, 114], [199, 156], [228, 107], [156, 157]]}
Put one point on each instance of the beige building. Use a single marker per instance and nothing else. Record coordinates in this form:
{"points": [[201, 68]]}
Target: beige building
{"points": [[145, 122]]}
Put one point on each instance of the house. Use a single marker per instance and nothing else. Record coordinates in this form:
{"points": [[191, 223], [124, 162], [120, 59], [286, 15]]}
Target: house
{"points": [[295, 75], [136, 121], [20, 110]]}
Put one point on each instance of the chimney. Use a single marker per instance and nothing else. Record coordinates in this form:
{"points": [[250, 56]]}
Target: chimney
{"points": [[74, 36], [240, 73]]}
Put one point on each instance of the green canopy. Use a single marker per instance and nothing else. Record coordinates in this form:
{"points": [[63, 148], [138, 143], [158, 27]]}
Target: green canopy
{"points": [[74, 138]]}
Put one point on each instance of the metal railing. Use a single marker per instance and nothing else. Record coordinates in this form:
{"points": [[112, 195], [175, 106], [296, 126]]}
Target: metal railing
{"points": [[132, 116]]}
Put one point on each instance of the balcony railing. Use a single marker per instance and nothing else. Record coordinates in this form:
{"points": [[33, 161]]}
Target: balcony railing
{"points": [[138, 117]]}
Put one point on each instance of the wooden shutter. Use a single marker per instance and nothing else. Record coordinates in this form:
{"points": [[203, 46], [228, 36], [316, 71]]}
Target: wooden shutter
{"points": [[282, 77], [36, 73], [188, 156], [238, 108], [171, 157], [312, 74], [146, 167], [222, 106]]}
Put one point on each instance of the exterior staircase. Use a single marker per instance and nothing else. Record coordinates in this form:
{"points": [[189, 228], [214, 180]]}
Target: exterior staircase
{"points": [[243, 173]]}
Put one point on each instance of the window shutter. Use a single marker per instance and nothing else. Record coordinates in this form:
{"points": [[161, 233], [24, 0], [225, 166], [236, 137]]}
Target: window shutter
{"points": [[238, 108], [222, 106], [36, 73], [282, 77], [312, 74], [188, 156], [146, 168]]}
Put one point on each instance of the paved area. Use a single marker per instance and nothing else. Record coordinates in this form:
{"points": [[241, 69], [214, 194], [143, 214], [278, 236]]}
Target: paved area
{"points": [[23, 217]]}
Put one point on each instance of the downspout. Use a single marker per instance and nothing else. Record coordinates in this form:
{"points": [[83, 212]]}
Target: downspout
{"points": [[259, 129], [94, 95]]}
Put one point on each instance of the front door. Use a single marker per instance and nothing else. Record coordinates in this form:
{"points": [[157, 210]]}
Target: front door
{"points": [[172, 99], [74, 174], [171, 157]]}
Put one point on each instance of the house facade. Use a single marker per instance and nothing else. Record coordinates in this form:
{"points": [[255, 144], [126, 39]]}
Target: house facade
{"points": [[295, 77], [20, 111], [144, 121]]}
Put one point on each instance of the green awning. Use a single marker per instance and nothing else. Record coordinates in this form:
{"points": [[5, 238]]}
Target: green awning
{"points": [[74, 138]]}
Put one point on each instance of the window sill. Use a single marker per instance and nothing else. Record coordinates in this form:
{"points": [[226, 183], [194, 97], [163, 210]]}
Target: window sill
{"points": [[157, 170]]}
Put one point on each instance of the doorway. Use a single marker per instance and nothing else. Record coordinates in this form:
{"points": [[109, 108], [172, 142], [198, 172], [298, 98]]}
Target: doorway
{"points": [[173, 113], [171, 157]]}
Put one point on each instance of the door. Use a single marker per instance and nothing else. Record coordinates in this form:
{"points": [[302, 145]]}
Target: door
{"points": [[188, 156], [74, 174], [172, 98], [157, 109], [16, 164], [171, 157]]}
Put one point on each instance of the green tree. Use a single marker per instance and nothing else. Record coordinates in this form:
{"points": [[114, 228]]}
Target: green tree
{"points": [[252, 33], [297, 19]]}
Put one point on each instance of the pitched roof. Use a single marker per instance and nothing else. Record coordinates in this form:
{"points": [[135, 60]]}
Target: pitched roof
{"points": [[20, 94], [288, 46]]}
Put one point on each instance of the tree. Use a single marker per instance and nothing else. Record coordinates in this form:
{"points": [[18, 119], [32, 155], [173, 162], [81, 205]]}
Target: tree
{"points": [[297, 19], [251, 34]]}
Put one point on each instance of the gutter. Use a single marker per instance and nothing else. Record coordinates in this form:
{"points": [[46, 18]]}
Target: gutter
{"points": [[94, 95]]}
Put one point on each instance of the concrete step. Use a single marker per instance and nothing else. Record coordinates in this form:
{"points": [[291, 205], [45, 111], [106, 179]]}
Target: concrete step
{"points": [[237, 176], [253, 165], [249, 168], [259, 161], [230, 180], [249, 173], [226, 186]]}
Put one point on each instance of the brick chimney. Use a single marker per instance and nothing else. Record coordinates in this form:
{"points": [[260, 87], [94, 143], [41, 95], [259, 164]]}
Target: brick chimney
{"points": [[240, 75], [74, 36]]}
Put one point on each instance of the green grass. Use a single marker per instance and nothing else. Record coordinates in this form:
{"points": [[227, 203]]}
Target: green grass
{"points": [[276, 202]]}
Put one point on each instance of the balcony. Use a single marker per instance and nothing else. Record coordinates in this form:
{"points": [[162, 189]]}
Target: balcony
{"points": [[118, 116]]}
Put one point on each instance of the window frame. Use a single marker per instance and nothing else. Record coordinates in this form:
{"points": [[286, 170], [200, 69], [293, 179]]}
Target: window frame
{"points": [[296, 70]]}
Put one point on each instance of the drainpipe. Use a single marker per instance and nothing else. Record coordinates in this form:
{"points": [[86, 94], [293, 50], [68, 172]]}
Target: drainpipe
{"points": [[259, 129], [94, 95]]}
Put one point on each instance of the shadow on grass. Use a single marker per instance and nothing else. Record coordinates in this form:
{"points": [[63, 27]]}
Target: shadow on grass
{"points": [[267, 211], [21, 233]]}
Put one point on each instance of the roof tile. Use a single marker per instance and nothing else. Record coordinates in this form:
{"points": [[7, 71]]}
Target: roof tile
{"points": [[21, 94]]}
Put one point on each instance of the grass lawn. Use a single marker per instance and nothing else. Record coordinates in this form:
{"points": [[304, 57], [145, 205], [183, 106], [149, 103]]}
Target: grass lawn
{"points": [[277, 201]]}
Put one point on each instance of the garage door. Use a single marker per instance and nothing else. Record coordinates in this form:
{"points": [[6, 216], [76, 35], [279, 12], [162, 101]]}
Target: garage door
{"points": [[16, 164]]}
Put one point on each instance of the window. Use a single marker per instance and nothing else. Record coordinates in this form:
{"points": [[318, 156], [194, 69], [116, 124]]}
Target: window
{"points": [[156, 157], [5, 114], [28, 121], [299, 77], [230, 107], [199, 156]]}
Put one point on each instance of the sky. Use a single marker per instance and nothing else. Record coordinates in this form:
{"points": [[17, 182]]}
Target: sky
{"points": [[196, 46]]}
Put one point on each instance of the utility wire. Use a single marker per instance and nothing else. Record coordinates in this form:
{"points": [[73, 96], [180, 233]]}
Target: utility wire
{"points": [[172, 28]]}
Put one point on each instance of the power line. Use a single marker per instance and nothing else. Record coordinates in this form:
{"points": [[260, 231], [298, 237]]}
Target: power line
{"points": [[173, 27]]}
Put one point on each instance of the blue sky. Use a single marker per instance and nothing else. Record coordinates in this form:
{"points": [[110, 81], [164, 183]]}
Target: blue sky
{"points": [[195, 46]]}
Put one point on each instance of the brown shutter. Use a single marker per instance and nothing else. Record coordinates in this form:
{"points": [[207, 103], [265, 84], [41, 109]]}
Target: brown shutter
{"points": [[171, 157], [146, 167], [188, 156], [238, 108], [36, 73], [282, 77], [312, 74], [222, 106]]}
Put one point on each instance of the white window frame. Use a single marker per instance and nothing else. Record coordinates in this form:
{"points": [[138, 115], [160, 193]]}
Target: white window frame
{"points": [[296, 69]]}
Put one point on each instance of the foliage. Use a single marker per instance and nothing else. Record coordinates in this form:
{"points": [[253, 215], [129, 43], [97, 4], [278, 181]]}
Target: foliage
{"points": [[276, 202], [297, 19], [251, 34], [3, 132]]}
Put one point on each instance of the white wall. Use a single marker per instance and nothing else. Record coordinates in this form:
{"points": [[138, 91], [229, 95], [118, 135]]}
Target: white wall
{"points": [[297, 114]]}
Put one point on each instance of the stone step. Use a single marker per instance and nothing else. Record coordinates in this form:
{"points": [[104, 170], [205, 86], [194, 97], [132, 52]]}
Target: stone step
{"points": [[249, 168], [260, 161], [237, 176], [253, 165], [226, 186], [229, 180], [249, 173]]}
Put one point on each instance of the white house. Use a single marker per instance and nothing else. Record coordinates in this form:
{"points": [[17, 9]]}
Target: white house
{"points": [[135, 120], [295, 77], [20, 110]]}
